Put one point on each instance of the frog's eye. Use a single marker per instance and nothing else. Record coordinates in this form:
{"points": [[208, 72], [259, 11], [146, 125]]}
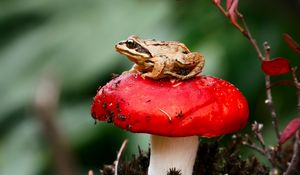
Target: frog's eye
{"points": [[131, 44]]}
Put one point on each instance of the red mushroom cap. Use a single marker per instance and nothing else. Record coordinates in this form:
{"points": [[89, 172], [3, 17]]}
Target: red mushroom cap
{"points": [[204, 106]]}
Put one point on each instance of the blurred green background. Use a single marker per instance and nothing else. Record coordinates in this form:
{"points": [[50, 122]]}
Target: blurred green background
{"points": [[70, 44]]}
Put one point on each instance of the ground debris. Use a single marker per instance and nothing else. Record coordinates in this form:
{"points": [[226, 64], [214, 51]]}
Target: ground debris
{"points": [[212, 159]]}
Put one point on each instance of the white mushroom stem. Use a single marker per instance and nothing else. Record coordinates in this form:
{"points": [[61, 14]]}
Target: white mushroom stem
{"points": [[172, 152]]}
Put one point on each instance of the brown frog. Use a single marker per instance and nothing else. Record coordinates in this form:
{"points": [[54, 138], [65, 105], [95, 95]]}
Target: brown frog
{"points": [[159, 59]]}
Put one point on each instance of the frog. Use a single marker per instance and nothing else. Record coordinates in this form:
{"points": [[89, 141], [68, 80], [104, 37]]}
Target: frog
{"points": [[161, 59]]}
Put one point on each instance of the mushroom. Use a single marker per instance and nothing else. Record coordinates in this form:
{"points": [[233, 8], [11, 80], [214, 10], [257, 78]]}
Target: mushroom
{"points": [[175, 113]]}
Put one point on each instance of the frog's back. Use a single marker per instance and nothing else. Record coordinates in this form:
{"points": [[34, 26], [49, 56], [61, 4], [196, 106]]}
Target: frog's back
{"points": [[167, 48]]}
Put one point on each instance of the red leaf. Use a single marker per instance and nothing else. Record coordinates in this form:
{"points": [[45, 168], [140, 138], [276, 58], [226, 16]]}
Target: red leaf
{"points": [[232, 6], [228, 4], [289, 130], [291, 43], [277, 66]]}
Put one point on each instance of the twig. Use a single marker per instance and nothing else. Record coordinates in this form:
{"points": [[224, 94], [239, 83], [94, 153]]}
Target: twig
{"points": [[248, 142], [46, 102], [269, 152], [243, 29], [297, 85], [123, 146], [269, 100], [295, 162], [257, 128], [267, 50], [248, 35], [255, 147], [246, 32], [226, 14], [269, 103]]}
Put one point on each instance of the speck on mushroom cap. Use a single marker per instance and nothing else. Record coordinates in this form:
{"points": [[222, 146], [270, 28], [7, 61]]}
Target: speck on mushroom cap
{"points": [[205, 106]]}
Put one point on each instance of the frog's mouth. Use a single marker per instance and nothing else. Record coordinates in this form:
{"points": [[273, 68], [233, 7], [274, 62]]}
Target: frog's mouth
{"points": [[133, 54], [138, 51]]}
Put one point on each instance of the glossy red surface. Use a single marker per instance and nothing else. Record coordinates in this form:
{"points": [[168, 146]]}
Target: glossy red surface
{"points": [[204, 106], [275, 67]]}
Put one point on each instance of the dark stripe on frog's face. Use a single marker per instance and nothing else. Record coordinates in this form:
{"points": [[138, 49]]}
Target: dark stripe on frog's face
{"points": [[132, 47], [141, 49], [135, 43], [137, 55]]}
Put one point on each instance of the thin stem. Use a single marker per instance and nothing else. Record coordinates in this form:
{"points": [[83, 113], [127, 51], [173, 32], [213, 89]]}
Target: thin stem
{"points": [[269, 103], [46, 102], [297, 85], [243, 29], [255, 147], [256, 128], [247, 141], [248, 35], [294, 167], [123, 146], [246, 32], [269, 100], [222, 10], [269, 152], [266, 151], [267, 50]]}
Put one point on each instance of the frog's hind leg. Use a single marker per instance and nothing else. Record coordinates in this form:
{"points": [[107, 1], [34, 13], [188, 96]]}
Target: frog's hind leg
{"points": [[157, 70], [182, 77], [197, 70], [191, 59]]}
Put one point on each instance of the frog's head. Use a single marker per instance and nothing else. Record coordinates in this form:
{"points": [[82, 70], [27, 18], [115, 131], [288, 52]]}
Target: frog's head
{"points": [[134, 48]]}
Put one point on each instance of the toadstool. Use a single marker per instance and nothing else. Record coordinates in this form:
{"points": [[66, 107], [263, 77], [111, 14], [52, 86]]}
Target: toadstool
{"points": [[175, 113]]}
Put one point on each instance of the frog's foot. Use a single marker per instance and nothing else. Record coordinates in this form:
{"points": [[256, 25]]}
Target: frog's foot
{"points": [[182, 77], [149, 75]]}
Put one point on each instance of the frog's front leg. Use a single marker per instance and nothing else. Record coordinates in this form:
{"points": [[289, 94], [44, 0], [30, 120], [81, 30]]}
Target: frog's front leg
{"points": [[192, 58], [156, 71], [134, 69]]}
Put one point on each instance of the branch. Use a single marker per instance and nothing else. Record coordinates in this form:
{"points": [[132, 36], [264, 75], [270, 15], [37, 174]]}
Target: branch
{"points": [[123, 146], [246, 32], [267, 151], [242, 29], [297, 85], [46, 102], [269, 100], [294, 167], [249, 143], [248, 35]]}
